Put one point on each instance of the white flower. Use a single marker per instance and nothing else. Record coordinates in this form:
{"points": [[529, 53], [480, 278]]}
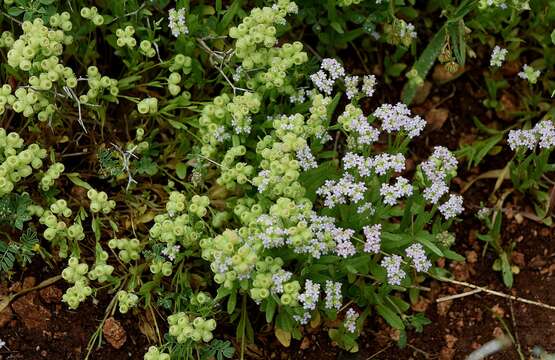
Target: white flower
{"points": [[322, 82], [306, 159], [2, 344], [392, 265], [351, 320], [334, 298], [545, 131], [453, 207], [368, 84], [392, 193], [279, 279], [373, 238], [522, 138], [333, 67], [418, 256], [177, 22], [498, 56], [351, 85], [397, 117], [435, 191], [529, 73], [338, 192], [439, 165], [309, 298], [384, 162]]}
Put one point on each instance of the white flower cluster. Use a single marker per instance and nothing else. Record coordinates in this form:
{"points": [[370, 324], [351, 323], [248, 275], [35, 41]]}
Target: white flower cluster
{"points": [[438, 168], [542, 135], [366, 134], [381, 163], [397, 117], [452, 207], [331, 71], [392, 265], [351, 320], [498, 56], [418, 256], [392, 193], [279, 279], [529, 73], [334, 299], [338, 192], [309, 298], [177, 22], [329, 237], [306, 159], [373, 238]]}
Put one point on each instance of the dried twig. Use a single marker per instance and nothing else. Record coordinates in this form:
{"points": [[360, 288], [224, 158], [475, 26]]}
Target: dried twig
{"points": [[489, 348], [496, 293], [457, 296]]}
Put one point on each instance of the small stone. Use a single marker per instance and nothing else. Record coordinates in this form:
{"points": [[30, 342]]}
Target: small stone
{"points": [[497, 311], [51, 294], [446, 354], [33, 315], [305, 343], [435, 118], [518, 259], [450, 340], [114, 333], [443, 307], [442, 75], [472, 256]]}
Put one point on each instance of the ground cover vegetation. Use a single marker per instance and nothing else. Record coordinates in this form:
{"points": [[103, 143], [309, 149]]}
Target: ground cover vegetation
{"points": [[219, 167]]}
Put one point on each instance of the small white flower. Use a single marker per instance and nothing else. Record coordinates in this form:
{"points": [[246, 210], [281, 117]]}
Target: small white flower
{"points": [[529, 73], [334, 298], [333, 67], [373, 238], [177, 22], [309, 298], [351, 86], [453, 207], [418, 256], [392, 265], [351, 320], [306, 159], [498, 56], [368, 85]]}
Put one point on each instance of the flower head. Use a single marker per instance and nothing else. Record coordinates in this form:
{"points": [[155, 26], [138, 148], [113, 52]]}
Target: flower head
{"points": [[177, 22]]}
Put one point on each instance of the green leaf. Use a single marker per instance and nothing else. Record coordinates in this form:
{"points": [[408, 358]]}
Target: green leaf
{"points": [[95, 225], [229, 15], [181, 170], [553, 37], [337, 27], [424, 63], [15, 11], [177, 125], [74, 178], [506, 270], [451, 255], [430, 245], [271, 307], [391, 317], [232, 302]]}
